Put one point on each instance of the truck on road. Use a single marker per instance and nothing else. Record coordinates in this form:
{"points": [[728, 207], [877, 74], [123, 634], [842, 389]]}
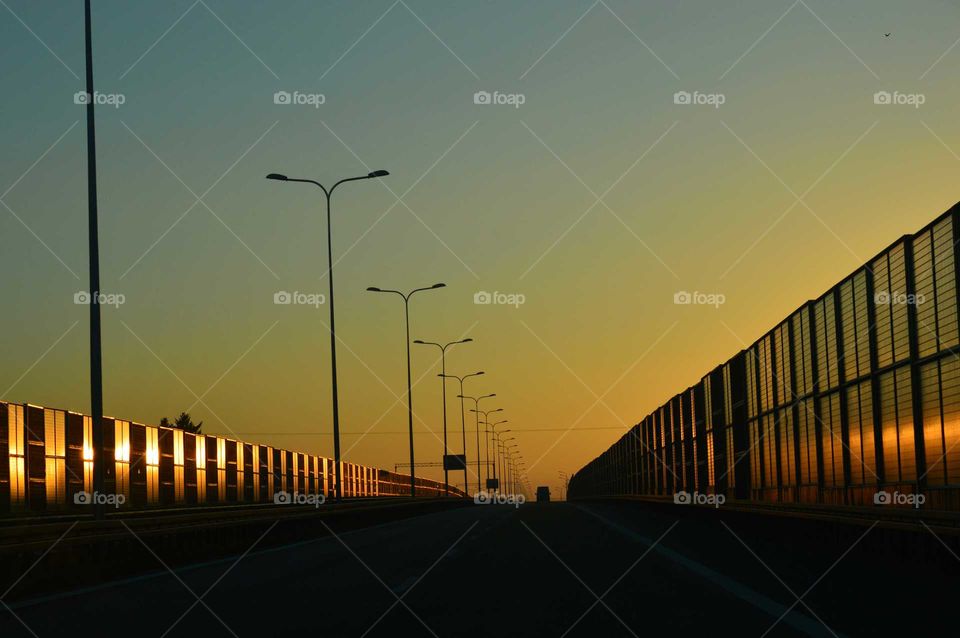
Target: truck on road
{"points": [[543, 494]]}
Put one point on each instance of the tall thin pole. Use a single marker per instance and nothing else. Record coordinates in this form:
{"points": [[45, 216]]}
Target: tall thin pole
{"points": [[96, 363], [328, 194], [503, 463], [477, 414], [506, 470], [463, 426], [486, 446], [443, 368], [333, 355], [496, 457], [486, 437], [443, 375], [406, 315], [413, 472], [499, 466]]}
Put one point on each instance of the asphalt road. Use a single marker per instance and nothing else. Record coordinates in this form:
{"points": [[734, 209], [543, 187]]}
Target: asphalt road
{"points": [[596, 569]]}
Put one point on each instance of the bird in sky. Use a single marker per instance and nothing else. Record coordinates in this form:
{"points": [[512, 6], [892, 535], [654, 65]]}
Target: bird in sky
{"points": [[886, 35]]}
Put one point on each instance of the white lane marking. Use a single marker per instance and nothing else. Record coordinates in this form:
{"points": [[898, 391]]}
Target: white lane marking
{"points": [[798, 621]]}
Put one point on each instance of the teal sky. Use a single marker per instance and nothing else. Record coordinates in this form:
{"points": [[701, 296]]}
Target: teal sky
{"points": [[483, 197]]}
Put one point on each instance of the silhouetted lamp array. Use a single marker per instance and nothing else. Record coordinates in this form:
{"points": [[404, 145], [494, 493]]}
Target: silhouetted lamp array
{"points": [[509, 462]]}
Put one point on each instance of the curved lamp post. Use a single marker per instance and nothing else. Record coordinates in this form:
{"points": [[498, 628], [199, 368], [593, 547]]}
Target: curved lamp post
{"points": [[443, 368], [463, 426], [486, 435], [406, 310], [508, 466], [503, 460], [476, 411], [328, 193], [497, 473]]}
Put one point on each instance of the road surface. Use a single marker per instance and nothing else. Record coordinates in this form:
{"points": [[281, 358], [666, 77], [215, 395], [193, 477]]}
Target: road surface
{"points": [[559, 569]]}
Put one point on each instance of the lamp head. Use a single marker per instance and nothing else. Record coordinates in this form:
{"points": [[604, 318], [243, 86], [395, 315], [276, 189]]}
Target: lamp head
{"points": [[278, 177]]}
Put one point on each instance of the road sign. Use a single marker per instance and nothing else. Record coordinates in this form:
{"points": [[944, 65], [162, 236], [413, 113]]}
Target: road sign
{"points": [[455, 462]]}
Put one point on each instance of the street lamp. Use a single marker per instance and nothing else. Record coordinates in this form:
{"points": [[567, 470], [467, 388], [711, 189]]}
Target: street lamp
{"points": [[476, 410], [333, 327], [496, 454], [443, 368], [463, 426], [508, 465], [503, 460], [93, 239], [517, 471], [494, 425], [486, 434], [406, 309]]}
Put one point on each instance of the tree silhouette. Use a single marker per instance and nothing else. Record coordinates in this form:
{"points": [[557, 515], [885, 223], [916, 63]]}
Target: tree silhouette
{"points": [[183, 422]]}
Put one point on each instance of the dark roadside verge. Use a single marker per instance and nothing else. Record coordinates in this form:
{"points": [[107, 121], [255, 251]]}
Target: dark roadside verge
{"points": [[43, 556], [859, 571]]}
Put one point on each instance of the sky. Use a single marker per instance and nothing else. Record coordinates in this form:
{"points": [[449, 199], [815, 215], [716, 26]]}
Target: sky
{"points": [[585, 191]]}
